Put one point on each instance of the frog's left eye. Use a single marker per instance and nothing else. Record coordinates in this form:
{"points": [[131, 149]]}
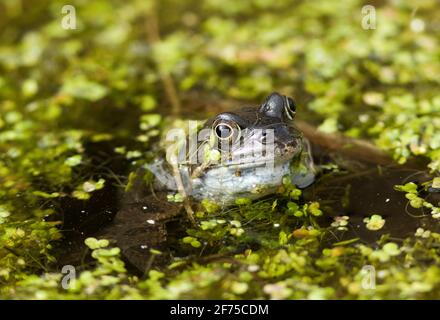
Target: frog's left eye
{"points": [[226, 130], [278, 106], [290, 108]]}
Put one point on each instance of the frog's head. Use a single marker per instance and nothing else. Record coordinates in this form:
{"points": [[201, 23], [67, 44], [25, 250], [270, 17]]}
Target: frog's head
{"points": [[245, 153], [252, 136]]}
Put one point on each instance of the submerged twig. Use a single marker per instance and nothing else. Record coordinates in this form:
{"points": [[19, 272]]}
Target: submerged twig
{"points": [[357, 149], [182, 191]]}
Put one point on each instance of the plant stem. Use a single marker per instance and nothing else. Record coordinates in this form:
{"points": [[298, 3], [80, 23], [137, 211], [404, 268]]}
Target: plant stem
{"points": [[153, 33]]}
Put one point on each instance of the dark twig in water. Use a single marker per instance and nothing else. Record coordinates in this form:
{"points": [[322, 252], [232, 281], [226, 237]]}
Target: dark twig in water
{"points": [[357, 149]]}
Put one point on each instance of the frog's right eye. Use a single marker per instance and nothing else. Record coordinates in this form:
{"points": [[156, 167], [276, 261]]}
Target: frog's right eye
{"points": [[226, 130]]}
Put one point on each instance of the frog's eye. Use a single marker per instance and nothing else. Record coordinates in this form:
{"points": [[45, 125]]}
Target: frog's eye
{"points": [[226, 130], [278, 106], [290, 108]]}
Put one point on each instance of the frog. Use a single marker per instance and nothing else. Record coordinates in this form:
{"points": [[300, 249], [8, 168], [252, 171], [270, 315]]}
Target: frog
{"points": [[244, 153]]}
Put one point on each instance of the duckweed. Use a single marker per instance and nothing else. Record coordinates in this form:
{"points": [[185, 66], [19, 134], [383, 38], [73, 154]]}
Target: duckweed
{"points": [[375, 222]]}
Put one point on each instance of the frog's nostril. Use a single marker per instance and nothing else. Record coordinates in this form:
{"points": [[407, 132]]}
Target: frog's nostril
{"points": [[289, 146], [294, 143]]}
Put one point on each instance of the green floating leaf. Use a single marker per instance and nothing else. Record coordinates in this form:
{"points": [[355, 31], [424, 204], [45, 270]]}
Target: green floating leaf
{"points": [[82, 88], [436, 183], [105, 253], [148, 103], [149, 121], [94, 243], [391, 248], [74, 160], [80, 195], [243, 201], [410, 187], [375, 222], [90, 186], [210, 206]]}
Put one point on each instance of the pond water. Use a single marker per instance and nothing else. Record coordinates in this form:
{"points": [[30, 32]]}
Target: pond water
{"points": [[356, 189]]}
